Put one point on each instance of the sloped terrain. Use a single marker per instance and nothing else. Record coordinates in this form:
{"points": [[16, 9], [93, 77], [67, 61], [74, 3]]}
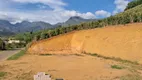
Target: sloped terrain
{"points": [[114, 41]]}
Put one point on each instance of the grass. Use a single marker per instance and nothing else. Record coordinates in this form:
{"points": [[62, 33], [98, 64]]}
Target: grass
{"points": [[113, 58], [117, 67], [17, 56], [131, 77], [2, 74], [60, 54], [46, 54]]}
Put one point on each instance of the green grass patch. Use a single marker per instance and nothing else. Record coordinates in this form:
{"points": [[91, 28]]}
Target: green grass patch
{"points": [[117, 67], [2, 74], [113, 58], [17, 56]]}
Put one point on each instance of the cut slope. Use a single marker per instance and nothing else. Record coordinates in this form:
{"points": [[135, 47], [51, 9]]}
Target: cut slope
{"points": [[54, 45], [114, 41]]}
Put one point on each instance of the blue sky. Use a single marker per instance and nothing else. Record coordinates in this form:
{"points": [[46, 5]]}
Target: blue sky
{"points": [[90, 5], [54, 11]]}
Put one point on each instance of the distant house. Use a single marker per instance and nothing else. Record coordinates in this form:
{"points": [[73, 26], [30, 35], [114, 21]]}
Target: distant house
{"points": [[13, 41]]}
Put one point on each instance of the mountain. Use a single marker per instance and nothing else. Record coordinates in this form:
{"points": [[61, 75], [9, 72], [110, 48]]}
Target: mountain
{"points": [[25, 26], [5, 25], [75, 20], [6, 28], [5, 32]]}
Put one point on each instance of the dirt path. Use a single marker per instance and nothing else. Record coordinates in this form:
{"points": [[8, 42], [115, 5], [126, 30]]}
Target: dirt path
{"points": [[5, 54]]}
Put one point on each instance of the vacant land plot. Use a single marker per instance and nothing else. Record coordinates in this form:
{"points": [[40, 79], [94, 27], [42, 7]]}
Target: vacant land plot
{"points": [[69, 67]]}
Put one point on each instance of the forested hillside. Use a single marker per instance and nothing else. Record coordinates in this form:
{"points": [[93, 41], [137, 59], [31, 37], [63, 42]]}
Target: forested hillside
{"points": [[129, 16], [134, 3]]}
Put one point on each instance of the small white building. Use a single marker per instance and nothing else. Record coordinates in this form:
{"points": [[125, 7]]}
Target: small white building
{"points": [[13, 41]]}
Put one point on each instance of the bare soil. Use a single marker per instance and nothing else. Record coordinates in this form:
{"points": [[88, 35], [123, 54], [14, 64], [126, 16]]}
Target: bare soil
{"points": [[68, 67], [114, 41]]}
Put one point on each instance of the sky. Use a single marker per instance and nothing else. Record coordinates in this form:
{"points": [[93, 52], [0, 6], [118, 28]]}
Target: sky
{"points": [[55, 11]]}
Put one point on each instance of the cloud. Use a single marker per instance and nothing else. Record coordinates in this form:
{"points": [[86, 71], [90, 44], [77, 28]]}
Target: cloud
{"points": [[55, 4], [120, 5], [102, 13], [87, 15], [49, 16], [56, 14], [41, 6]]}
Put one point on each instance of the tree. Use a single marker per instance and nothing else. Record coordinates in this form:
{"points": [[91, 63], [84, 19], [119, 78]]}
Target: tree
{"points": [[2, 44]]}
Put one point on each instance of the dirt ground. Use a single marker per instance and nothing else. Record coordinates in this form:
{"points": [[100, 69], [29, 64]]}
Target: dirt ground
{"points": [[69, 67], [122, 41]]}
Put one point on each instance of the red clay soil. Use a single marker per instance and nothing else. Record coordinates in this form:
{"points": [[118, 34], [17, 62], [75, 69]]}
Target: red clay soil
{"points": [[114, 41]]}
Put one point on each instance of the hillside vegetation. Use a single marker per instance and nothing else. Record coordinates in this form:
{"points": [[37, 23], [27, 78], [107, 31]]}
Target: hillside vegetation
{"points": [[133, 4], [129, 16]]}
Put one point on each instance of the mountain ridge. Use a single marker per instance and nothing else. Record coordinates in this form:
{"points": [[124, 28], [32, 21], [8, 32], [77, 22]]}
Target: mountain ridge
{"points": [[26, 26]]}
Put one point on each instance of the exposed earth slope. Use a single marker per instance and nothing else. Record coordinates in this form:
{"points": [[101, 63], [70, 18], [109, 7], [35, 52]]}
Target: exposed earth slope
{"points": [[114, 41]]}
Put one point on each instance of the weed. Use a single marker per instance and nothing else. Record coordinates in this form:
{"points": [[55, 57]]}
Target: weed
{"points": [[117, 67], [2, 74]]}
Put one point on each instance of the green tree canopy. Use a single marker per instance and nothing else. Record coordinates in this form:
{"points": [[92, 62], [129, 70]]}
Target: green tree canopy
{"points": [[133, 4]]}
